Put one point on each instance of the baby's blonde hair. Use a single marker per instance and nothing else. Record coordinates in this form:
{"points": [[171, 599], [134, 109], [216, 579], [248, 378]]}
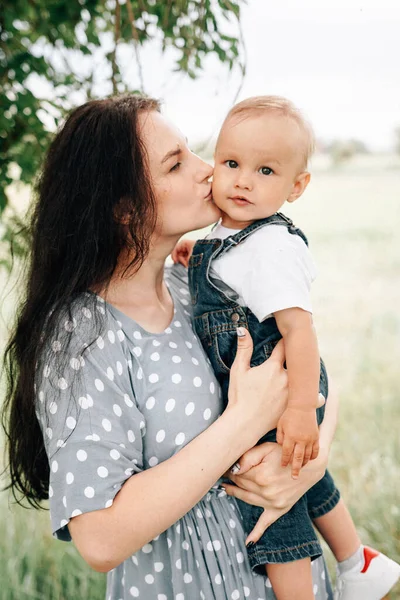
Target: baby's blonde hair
{"points": [[282, 107]]}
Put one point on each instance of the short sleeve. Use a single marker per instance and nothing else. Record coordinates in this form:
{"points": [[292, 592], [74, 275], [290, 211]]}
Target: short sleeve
{"points": [[272, 270], [281, 274], [91, 425]]}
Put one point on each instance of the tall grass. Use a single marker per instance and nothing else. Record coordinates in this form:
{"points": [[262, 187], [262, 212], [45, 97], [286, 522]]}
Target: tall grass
{"points": [[352, 219]]}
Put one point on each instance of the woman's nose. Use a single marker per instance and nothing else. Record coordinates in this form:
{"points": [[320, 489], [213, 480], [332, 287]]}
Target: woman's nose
{"points": [[204, 171]]}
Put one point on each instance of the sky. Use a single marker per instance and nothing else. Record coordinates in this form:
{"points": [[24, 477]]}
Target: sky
{"points": [[337, 60]]}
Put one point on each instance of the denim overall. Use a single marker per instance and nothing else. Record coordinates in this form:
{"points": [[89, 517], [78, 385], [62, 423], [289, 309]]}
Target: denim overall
{"points": [[216, 317]]}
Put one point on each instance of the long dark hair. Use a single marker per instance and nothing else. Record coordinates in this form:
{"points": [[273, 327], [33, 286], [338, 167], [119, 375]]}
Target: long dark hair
{"points": [[95, 172]]}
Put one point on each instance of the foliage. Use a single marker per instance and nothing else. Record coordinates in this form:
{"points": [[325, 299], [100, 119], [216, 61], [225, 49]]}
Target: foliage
{"points": [[68, 48]]}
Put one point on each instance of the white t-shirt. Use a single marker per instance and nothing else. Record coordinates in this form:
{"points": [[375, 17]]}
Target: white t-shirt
{"points": [[271, 270]]}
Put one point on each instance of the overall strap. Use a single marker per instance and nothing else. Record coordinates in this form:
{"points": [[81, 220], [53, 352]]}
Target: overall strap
{"points": [[275, 219]]}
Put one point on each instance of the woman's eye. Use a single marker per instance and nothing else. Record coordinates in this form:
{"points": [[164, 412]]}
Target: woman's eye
{"points": [[232, 164], [175, 167], [265, 170]]}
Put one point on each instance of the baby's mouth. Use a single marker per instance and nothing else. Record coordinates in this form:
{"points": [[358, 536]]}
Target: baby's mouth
{"points": [[241, 200]]}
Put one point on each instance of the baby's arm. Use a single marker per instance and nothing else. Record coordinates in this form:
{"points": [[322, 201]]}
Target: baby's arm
{"points": [[182, 252], [298, 428]]}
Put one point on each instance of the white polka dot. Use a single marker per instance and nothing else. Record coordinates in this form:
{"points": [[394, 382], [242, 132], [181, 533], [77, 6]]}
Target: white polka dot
{"points": [[178, 564], [137, 351], [119, 367], [189, 408], [41, 396], [187, 578], [139, 373], [99, 384], [240, 557], [81, 455], [70, 325], [137, 335], [131, 436], [235, 595], [60, 444], [100, 342], [170, 405], [51, 492], [156, 343], [75, 363], [178, 528], [120, 335], [85, 402], [268, 583], [109, 503], [246, 591], [86, 312], [217, 545], [207, 414], [323, 575], [56, 345], [189, 344], [172, 345], [94, 437], [89, 492], [70, 422], [160, 437], [49, 432], [168, 330], [184, 301], [158, 567], [110, 374], [162, 597], [177, 324], [62, 384], [63, 523], [69, 478], [176, 359], [147, 548], [212, 387], [153, 378], [315, 589], [102, 472], [197, 382], [76, 513], [218, 579], [153, 461], [106, 424], [111, 336], [135, 560], [150, 402], [155, 356], [232, 523], [128, 401], [117, 410], [115, 454], [176, 378], [180, 438], [185, 545], [53, 408], [134, 592]]}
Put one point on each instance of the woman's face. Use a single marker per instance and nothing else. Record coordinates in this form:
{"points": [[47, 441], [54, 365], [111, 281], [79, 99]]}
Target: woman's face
{"points": [[180, 179]]}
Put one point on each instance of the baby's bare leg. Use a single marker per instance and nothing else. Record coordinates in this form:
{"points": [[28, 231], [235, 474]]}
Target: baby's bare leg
{"points": [[338, 530], [291, 580]]}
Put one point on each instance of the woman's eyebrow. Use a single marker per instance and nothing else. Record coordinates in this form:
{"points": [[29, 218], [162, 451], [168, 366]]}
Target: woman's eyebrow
{"points": [[170, 154]]}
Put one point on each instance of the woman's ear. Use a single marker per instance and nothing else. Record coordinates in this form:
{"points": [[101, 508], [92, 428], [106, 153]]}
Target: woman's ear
{"points": [[300, 183]]}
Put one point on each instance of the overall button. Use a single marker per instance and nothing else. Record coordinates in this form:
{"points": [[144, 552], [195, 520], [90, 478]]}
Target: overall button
{"points": [[235, 317]]}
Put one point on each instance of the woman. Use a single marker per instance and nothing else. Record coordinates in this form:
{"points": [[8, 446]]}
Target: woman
{"points": [[131, 440]]}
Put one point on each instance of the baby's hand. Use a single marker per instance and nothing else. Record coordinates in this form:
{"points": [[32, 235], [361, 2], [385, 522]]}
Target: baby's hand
{"points": [[298, 434], [182, 252]]}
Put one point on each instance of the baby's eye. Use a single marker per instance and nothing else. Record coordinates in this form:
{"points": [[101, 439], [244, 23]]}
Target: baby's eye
{"points": [[265, 170], [232, 164]]}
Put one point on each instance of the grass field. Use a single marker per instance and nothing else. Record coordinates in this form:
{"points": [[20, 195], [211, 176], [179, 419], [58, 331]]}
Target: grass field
{"points": [[352, 219]]}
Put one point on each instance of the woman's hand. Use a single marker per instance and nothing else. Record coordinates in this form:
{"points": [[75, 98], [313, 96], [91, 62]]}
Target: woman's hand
{"points": [[262, 481], [259, 394]]}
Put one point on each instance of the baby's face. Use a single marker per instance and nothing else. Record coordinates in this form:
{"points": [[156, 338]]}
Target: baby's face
{"points": [[258, 166]]}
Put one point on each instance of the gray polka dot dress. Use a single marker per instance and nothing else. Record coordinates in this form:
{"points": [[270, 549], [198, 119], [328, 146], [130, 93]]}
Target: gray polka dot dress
{"points": [[130, 401]]}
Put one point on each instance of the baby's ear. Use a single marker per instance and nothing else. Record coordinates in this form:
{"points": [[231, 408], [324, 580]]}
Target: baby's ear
{"points": [[300, 183]]}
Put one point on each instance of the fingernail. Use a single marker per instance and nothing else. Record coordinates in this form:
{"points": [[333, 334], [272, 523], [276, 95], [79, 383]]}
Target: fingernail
{"points": [[250, 544], [235, 468], [241, 331]]}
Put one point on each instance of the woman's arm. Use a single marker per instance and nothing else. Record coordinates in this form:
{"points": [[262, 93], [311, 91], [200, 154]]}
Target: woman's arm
{"points": [[151, 501], [262, 480]]}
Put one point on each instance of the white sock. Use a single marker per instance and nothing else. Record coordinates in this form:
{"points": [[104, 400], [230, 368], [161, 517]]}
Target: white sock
{"points": [[354, 563]]}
